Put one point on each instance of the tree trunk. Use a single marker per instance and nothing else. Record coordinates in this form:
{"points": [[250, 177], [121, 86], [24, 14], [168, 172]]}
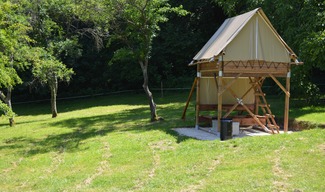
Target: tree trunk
{"points": [[7, 100], [144, 67], [54, 89]]}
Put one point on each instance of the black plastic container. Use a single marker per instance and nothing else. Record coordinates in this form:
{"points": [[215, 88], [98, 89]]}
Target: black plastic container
{"points": [[226, 129]]}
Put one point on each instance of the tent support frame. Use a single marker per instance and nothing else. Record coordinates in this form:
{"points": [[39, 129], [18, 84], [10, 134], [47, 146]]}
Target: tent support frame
{"points": [[197, 112], [189, 98], [240, 102], [286, 104]]}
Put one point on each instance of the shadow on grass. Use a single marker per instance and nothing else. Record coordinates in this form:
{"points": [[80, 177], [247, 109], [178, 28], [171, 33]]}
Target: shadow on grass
{"points": [[298, 112], [84, 128]]}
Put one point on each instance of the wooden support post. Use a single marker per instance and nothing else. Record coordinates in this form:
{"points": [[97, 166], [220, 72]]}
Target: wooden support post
{"points": [[189, 98], [257, 98], [197, 112], [220, 87], [286, 104]]}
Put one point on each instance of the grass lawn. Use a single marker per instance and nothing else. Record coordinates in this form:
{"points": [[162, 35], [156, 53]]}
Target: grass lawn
{"points": [[108, 144]]}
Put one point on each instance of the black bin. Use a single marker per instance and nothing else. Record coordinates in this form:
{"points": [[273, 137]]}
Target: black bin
{"points": [[226, 129]]}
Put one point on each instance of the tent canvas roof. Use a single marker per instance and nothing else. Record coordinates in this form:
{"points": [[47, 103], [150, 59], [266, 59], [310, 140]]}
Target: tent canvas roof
{"points": [[246, 37]]}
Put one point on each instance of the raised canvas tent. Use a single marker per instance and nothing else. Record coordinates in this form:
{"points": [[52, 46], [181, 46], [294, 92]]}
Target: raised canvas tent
{"points": [[232, 66]]}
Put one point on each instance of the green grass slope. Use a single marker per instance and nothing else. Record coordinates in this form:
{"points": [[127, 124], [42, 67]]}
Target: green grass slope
{"points": [[108, 144]]}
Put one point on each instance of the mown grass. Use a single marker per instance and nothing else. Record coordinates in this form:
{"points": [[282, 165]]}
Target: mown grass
{"points": [[108, 144]]}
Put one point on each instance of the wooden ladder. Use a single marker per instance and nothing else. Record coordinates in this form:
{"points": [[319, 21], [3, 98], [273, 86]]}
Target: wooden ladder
{"points": [[265, 107]]}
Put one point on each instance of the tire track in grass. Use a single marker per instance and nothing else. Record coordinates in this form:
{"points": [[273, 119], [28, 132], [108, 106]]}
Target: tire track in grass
{"points": [[322, 147], [280, 184], [102, 167], [14, 165], [57, 160], [155, 147], [201, 183]]}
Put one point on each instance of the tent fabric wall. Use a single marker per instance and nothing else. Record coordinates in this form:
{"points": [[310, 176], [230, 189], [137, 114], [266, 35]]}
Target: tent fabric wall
{"points": [[249, 36], [224, 35], [256, 41], [208, 91]]}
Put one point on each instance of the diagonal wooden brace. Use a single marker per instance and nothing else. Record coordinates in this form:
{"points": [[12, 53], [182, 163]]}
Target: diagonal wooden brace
{"points": [[240, 102], [280, 85], [226, 86], [189, 98], [242, 97]]}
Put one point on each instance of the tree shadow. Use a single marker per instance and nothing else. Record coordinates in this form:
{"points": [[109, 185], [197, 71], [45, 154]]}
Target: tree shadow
{"points": [[298, 112]]}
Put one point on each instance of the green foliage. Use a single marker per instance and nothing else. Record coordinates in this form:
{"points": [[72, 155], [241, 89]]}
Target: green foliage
{"points": [[14, 43], [314, 49], [14, 50], [303, 88], [6, 110], [180, 39], [86, 34], [8, 75], [56, 40], [136, 23], [47, 69]]}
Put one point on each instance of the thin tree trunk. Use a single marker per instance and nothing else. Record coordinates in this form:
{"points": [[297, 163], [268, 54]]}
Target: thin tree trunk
{"points": [[153, 109], [7, 100], [54, 89]]}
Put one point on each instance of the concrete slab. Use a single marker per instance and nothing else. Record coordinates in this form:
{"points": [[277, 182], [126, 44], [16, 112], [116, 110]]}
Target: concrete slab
{"points": [[210, 134]]}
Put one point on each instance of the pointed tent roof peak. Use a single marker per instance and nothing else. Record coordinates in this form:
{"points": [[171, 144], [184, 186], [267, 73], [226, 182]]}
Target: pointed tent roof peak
{"points": [[230, 28]]}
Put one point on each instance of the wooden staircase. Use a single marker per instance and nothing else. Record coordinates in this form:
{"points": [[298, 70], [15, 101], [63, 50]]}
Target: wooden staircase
{"points": [[262, 104]]}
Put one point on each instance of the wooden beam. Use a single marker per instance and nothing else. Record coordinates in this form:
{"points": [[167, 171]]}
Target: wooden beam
{"points": [[229, 84], [257, 120], [236, 104], [257, 98], [197, 112], [233, 74], [189, 98], [280, 85], [286, 104], [231, 110], [220, 95]]}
